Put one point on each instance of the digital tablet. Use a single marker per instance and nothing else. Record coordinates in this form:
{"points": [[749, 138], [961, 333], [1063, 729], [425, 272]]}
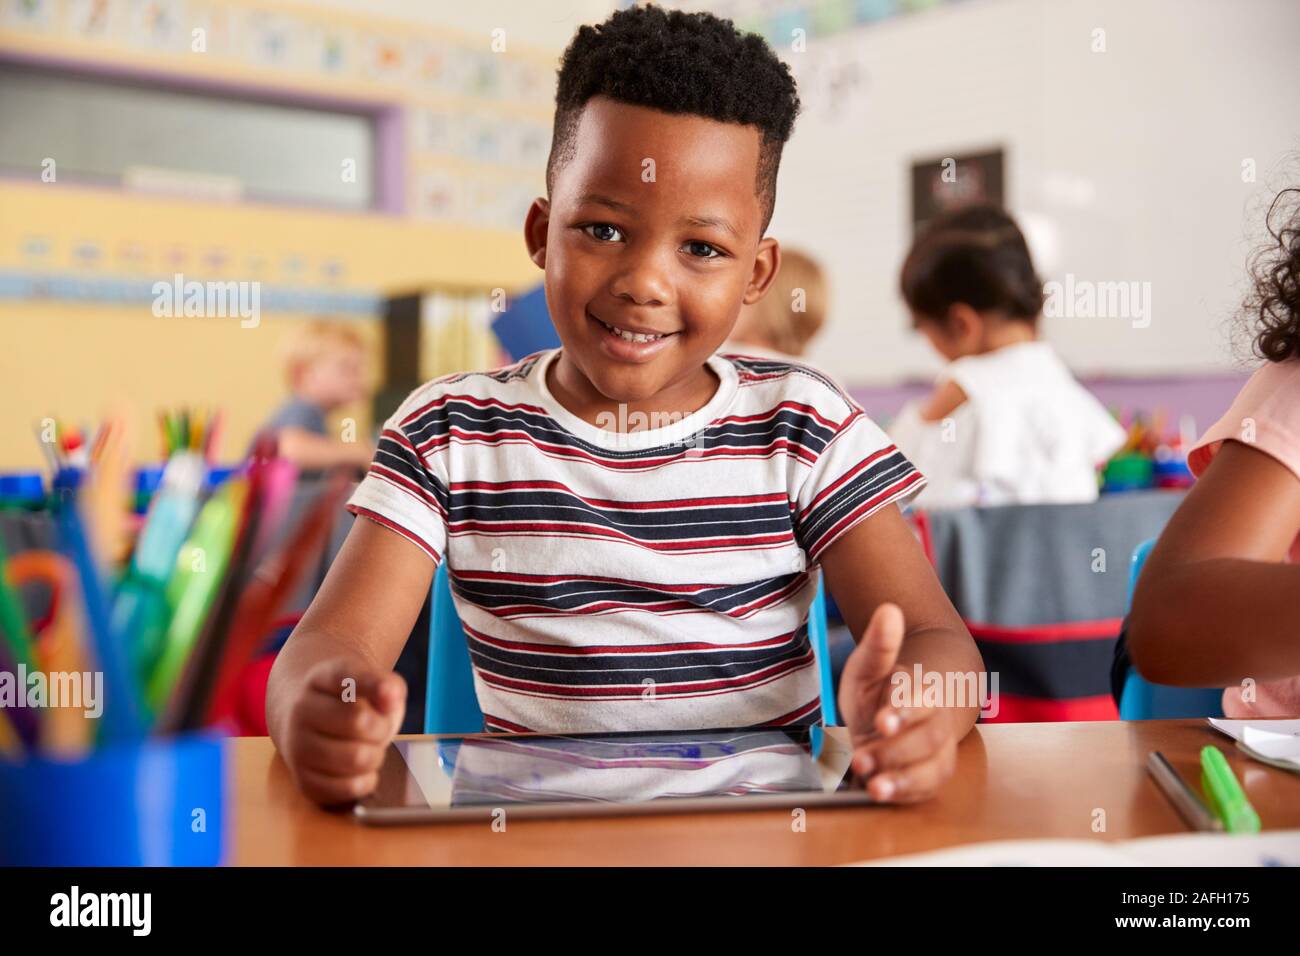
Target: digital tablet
{"points": [[451, 778]]}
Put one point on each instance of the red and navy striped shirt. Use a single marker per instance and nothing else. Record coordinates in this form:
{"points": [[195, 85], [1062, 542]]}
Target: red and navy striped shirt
{"points": [[652, 579]]}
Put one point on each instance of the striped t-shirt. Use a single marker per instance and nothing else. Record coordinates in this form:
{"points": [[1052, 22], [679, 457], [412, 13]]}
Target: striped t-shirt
{"points": [[652, 579]]}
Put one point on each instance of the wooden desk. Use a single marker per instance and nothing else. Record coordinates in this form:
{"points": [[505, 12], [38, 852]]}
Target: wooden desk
{"points": [[1013, 781]]}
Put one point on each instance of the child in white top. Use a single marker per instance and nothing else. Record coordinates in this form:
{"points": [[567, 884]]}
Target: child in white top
{"points": [[1006, 423]]}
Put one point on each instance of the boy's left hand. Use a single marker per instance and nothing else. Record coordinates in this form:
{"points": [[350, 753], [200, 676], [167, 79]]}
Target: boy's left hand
{"points": [[904, 753]]}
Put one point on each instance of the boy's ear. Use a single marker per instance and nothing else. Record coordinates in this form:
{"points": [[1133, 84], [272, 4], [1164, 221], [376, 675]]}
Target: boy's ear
{"points": [[767, 262], [536, 224]]}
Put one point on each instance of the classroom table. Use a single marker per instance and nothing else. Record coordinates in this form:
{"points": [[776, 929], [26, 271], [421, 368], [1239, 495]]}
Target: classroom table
{"points": [[1013, 781]]}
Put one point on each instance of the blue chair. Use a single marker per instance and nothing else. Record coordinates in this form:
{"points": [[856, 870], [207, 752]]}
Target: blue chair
{"points": [[821, 648], [1143, 700], [451, 703]]}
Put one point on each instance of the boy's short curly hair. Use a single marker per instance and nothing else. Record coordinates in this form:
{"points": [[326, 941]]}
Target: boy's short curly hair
{"points": [[676, 62]]}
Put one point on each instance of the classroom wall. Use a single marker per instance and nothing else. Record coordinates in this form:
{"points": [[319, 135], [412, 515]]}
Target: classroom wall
{"points": [[464, 127], [542, 24], [1108, 163], [71, 359], [1125, 164], [77, 361]]}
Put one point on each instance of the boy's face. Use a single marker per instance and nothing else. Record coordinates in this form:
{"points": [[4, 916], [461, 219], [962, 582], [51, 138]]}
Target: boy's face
{"points": [[337, 377], [653, 228]]}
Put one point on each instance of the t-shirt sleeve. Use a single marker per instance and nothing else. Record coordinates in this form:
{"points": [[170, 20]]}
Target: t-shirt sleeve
{"points": [[404, 490], [1265, 415], [857, 473], [297, 413]]}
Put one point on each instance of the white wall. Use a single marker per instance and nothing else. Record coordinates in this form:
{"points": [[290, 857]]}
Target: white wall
{"points": [[1129, 162]]}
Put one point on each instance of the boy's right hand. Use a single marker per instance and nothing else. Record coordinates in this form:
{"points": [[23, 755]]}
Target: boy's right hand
{"points": [[904, 752], [339, 729]]}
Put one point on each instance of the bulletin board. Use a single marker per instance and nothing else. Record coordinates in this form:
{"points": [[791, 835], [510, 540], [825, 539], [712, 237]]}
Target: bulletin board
{"points": [[476, 110]]}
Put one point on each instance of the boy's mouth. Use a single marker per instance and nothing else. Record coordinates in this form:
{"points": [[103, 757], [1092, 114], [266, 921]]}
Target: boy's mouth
{"points": [[632, 344]]}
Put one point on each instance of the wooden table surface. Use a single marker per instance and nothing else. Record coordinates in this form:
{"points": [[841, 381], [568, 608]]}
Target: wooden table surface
{"points": [[1013, 781]]}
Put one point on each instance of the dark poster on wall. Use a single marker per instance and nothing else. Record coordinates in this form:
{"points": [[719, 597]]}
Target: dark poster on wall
{"points": [[946, 182]]}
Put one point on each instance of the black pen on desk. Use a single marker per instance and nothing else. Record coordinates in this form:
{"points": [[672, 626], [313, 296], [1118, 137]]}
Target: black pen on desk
{"points": [[1189, 806]]}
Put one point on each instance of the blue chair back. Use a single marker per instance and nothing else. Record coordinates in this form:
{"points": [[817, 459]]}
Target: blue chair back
{"points": [[451, 703], [821, 648], [1143, 700]]}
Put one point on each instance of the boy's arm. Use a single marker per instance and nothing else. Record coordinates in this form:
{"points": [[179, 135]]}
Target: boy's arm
{"points": [[893, 603], [1215, 603], [354, 630], [308, 450]]}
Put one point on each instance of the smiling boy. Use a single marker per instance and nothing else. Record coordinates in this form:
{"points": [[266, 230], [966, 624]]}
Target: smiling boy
{"points": [[624, 578]]}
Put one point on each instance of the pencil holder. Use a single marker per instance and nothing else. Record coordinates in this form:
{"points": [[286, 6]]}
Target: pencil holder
{"points": [[157, 803]]}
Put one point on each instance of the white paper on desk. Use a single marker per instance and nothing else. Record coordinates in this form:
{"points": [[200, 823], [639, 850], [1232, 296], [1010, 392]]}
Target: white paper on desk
{"points": [[1275, 848], [1278, 746], [1017, 853], [1271, 848], [1235, 728], [1274, 740]]}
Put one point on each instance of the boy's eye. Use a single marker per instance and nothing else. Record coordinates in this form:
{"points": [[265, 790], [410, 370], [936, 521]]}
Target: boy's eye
{"points": [[703, 250], [602, 232]]}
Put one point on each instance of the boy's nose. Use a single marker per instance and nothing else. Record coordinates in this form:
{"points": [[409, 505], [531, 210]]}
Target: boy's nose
{"points": [[643, 282]]}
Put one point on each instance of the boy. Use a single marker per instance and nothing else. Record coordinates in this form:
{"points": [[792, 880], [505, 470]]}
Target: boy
{"points": [[630, 519], [325, 367], [783, 323]]}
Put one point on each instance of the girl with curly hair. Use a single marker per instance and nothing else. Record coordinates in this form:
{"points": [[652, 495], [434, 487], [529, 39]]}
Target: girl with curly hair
{"points": [[1218, 603]]}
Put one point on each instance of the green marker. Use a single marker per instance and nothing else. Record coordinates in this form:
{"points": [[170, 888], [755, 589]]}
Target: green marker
{"points": [[1225, 794], [13, 622], [190, 593]]}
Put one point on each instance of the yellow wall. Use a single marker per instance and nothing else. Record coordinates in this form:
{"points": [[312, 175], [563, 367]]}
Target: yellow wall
{"points": [[380, 252], [74, 361], [71, 360]]}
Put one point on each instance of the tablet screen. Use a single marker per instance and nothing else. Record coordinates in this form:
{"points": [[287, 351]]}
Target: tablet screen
{"points": [[488, 771]]}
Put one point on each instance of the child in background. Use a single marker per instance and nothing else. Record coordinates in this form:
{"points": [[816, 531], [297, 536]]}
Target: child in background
{"points": [[1006, 423], [783, 322], [325, 364], [1218, 602], [634, 525]]}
